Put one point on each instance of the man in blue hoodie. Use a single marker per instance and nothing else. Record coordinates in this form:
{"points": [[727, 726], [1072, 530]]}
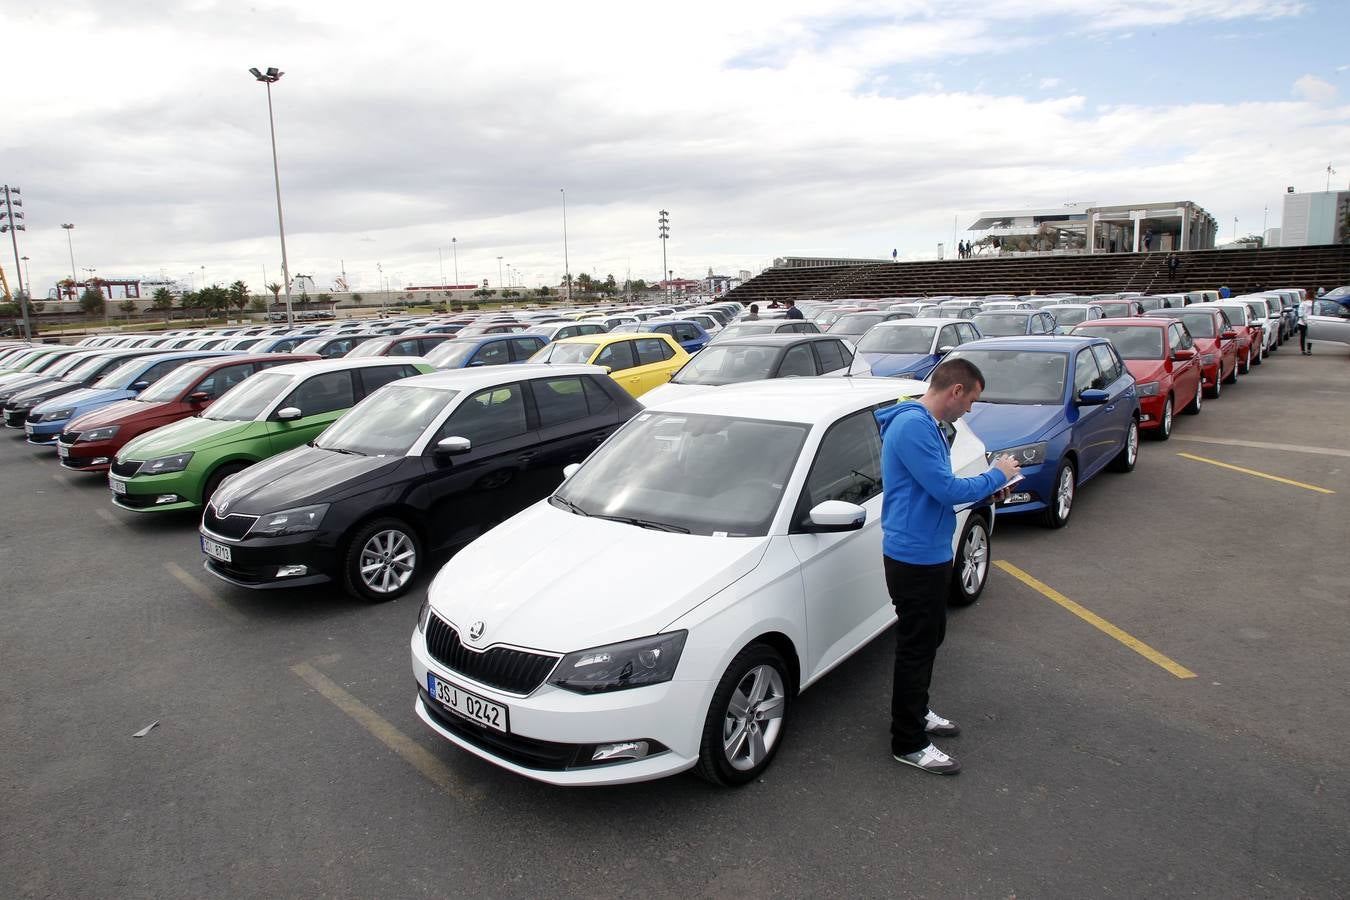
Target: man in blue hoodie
{"points": [[917, 525]]}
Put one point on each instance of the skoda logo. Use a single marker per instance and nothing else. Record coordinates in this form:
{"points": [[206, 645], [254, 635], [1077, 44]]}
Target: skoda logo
{"points": [[220, 506], [476, 630]]}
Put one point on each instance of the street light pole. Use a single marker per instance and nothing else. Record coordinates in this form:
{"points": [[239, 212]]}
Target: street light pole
{"points": [[454, 248], [567, 266], [270, 78], [440, 261], [663, 232], [499, 273], [13, 226]]}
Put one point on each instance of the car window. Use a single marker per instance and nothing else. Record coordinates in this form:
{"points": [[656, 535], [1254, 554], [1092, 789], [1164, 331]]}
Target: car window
{"points": [[1107, 362], [1085, 372], [376, 377], [559, 400], [523, 348], [1187, 342], [847, 466], [948, 338], [492, 354], [489, 415], [160, 369], [222, 380], [407, 347], [618, 356], [568, 331], [831, 355], [322, 393], [597, 398], [1174, 337], [797, 361], [651, 350]]}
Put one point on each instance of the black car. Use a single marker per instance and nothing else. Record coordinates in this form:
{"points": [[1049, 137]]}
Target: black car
{"points": [[422, 465]]}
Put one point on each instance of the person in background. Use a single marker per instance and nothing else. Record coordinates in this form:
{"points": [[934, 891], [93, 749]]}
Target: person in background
{"points": [[1172, 264], [1305, 308], [792, 311], [917, 527], [754, 313]]}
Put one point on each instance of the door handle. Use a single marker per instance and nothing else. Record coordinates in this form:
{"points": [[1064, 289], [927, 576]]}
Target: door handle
{"points": [[526, 457]]}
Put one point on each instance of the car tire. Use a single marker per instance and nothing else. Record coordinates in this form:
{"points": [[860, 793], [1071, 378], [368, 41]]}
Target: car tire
{"points": [[1164, 429], [1129, 454], [1193, 408], [1232, 375], [1246, 365], [1056, 514], [382, 560], [1213, 393], [970, 572], [737, 748], [217, 477]]}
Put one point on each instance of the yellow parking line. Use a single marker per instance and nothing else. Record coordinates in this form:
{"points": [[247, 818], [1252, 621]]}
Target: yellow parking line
{"points": [[413, 753], [1224, 465], [203, 592], [1096, 621]]}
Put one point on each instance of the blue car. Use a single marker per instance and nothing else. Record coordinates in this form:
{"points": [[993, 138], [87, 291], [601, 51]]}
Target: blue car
{"points": [[689, 335], [912, 348], [485, 350], [1065, 407], [46, 420]]}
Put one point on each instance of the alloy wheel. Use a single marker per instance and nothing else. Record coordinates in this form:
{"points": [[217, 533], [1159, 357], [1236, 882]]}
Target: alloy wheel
{"points": [[974, 560], [387, 562], [1064, 493], [754, 718]]}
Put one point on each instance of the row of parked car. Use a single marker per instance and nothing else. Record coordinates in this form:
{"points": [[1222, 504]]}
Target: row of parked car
{"points": [[565, 480]]}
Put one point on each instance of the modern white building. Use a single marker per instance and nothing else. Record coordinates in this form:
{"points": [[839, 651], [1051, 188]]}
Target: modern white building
{"points": [[1317, 217], [1092, 228]]}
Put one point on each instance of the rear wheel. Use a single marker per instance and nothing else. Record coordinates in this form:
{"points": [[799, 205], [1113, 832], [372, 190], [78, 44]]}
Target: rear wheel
{"points": [[972, 563], [382, 560], [747, 717], [1164, 429], [1129, 454], [1056, 514]]}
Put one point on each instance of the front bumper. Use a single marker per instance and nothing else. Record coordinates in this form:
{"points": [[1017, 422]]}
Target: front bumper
{"points": [[255, 562], [84, 457], [44, 433], [1151, 410], [144, 492], [15, 418], [553, 731], [1029, 494]]}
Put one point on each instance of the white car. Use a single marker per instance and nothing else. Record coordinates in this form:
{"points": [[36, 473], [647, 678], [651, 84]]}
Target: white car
{"points": [[1260, 313], [756, 358], [663, 608]]}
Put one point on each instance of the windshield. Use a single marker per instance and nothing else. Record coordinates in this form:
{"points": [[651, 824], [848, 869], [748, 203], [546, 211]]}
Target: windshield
{"points": [[898, 339], [1201, 326], [1117, 310], [998, 325], [727, 364], [1258, 309], [78, 366], [246, 400], [45, 362], [1152, 303], [708, 475], [1141, 342], [451, 354], [121, 377], [565, 353], [388, 422], [168, 387], [1017, 376], [746, 329], [855, 324], [1068, 315], [1236, 314], [313, 345], [1337, 293], [372, 347]]}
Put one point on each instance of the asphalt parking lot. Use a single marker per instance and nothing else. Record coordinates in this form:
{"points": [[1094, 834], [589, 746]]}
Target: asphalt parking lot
{"points": [[1153, 704]]}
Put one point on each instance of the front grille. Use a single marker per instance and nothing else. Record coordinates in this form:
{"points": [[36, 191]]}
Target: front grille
{"points": [[127, 468], [514, 671], [70, 437], [77, 462], [34, 417], [15, 417], [244, 576], [134, 501], [233, 527]]}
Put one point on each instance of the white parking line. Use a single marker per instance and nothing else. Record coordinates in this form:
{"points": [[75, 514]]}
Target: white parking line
{"points": [[1262, 445]]}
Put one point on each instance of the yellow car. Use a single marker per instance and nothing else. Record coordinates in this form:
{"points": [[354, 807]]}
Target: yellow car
{"points": [[638, 361]]}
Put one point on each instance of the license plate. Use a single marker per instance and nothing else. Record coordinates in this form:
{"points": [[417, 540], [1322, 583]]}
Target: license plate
{"points": [[216, 551], [27, 429], [62, 451], [118, 487], [472, 707]]}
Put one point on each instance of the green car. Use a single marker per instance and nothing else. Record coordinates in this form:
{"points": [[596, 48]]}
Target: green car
{"points": [[180, 465]]}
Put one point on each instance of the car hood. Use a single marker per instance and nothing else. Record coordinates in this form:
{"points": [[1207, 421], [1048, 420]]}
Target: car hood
{"points": [[117, 413], [550, 580], [46, 391], [296, 478], [86, 397], [886, 364], [18, 383], [1145, 370], [183, 435], [1003, 425]]}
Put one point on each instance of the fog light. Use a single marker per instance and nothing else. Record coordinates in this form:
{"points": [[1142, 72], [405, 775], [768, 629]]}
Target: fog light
{"points": [[166, 498], [1022, 497], [1145, 417], [100, 461], [621, 750], [291, 571]]}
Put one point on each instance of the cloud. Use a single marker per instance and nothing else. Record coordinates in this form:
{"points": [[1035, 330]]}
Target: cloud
{"points": [[1315, 90], [1047, 84]]}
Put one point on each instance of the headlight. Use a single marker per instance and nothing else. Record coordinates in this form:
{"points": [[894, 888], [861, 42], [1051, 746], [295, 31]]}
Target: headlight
{"points": [[1026, 454], [289, 521], [1147, 389], [57, 414], [423, 616], [26, 404], [97, 434], [649, 660], [176, 463]]}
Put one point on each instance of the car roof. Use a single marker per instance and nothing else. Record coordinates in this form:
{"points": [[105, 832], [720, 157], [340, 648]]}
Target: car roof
{"points": [[1000, 311], [778, 339], [1132, 321], [919, 320], [343, 363], [1056, 343], [610, 337], [808, 400], [237, 358], [489, 376]]}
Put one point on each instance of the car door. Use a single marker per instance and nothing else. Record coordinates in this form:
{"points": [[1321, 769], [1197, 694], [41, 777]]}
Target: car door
{"points": [[1329, 322], [842, 580], [522, 348], [321, 398], [619, 358], [492, 353], [574, 418], [1186, 373], [473, 491], [1092, 425], [1120, 385]]}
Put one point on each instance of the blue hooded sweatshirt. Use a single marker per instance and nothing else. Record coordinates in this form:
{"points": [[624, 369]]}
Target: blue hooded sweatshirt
{"points": [[918, 487]]}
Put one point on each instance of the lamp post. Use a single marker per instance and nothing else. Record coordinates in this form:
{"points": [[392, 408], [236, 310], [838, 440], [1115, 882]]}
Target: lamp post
{"points": [[663, 232], [269, 78], [499, 273], [454, 248], [440, 261], [567, 267], [10, 221]]}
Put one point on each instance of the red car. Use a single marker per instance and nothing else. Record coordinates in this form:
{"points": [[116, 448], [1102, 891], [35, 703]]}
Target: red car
{"points": [[90, 442], [417, 344], [1215, 339], [1161, 355]]}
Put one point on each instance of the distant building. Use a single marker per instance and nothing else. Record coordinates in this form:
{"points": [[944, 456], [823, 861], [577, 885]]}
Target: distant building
{"points": [[1080, 227], [1313, 218], [810, 262]]}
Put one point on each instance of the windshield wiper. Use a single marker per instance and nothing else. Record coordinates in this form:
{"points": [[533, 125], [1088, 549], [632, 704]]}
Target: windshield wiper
{"points": [[577, 510], [646, 523], [342, 450]]}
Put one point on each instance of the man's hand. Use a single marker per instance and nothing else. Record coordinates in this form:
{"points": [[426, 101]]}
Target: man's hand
{"points": [[1007, 465]]}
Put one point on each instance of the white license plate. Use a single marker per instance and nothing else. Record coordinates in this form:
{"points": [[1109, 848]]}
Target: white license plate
{"points": [[118, 487], [62, 451], [470, 706], [215, 550]]}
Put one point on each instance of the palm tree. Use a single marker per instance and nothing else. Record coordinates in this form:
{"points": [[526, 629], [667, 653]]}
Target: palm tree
{"points": [[276, 292], [162, 300], [239, 295]]}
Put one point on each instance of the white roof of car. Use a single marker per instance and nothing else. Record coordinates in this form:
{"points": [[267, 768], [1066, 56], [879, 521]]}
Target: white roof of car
{"points": [[920, 320], [342, 364], [808, 400], [488, 376]]}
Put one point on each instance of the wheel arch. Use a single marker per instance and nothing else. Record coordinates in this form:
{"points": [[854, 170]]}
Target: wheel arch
{"points": [[786, 648]]}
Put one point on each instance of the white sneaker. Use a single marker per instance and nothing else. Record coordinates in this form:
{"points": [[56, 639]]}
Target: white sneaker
{"points": [[930, 759], [935, 724]]}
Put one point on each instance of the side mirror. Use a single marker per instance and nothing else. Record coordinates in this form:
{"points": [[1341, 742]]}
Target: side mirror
{"points": [[198, 397], [289, 413], [945, 349], [1183, 353], [836, 515], [570, 469], [453, 446], [1092, 397], [140, 386], [1228, 335]]}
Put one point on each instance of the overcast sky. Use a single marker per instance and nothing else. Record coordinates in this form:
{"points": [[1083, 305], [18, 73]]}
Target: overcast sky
{"points": [[766, 129]]}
